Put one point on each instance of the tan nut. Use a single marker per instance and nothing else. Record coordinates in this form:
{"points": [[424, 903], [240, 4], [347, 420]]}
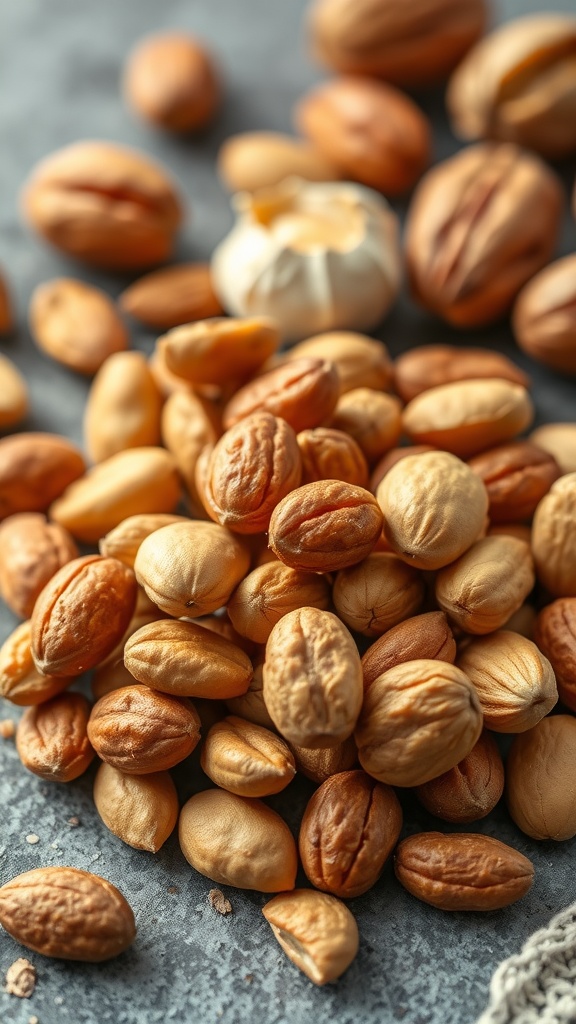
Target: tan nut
{"points": [[554, 538], [76, 324], [429, 366], [376, 594], [51, 738], [31, 551], [271, 591], [303, 392], [141, 810], [246, 759], [373, 419], [34, 470], [316, 931], [555, 635], [360, 361], [254, 160], [539, 771], [172, 296], [14, 398], [20, 681], [544, 318], [123, 407], [219, 350], [125, 539], [516, 477]]}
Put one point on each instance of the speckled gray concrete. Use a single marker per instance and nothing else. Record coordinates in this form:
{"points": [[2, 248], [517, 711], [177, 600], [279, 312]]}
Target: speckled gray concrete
{"points": [[60, 68]]}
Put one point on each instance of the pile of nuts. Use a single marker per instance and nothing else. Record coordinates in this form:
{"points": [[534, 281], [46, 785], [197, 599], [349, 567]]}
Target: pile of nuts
{"points": [[310, 560]]}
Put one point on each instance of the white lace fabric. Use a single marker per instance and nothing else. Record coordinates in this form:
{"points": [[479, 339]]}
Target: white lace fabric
{"points": [[538, 985]]}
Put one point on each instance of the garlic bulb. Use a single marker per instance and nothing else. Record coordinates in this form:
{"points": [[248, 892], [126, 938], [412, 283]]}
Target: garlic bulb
{"points": [[314, 256]]}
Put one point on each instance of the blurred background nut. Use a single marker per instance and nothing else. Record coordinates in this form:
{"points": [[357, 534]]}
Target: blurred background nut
{"points": [[372, 418], [373, 132], [539, 779], [76, 324], [254, 160], [516, 477], [6, 316], [319, 765], [376, 594], [141, 810], [170, 80], [14, 398], [350, 827], [515, 683], [246, 759], [220, 350], [51, 738], [429, 366], [390, 458], [271, 591], [560, 440], [303, 392], [172, 296], [20, 681], [35, 469], [316, 931], [31, 551], [544, 319], [471, 789], [125, 539], [360, 361], [329, 454], [188, 425], [481, 224], [555, 635], [519, 84], [105, 204], [554, 538], [403, 41], [123, 407], [422, 636]]}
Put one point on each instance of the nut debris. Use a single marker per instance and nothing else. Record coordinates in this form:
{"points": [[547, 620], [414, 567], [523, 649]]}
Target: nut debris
{"points": [[32, 839], [7, 728], [218, 901], [21, 980]]}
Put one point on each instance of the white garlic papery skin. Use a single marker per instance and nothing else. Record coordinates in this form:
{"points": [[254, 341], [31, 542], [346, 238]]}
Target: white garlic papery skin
{"points": [[314, 256]]}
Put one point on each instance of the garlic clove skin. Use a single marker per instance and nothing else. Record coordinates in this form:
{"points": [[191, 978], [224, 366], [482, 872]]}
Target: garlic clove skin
{"points": [[314, 256]]}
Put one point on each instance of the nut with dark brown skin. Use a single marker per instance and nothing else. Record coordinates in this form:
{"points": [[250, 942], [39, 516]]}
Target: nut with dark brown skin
{"points": [[469, 791], [319, 765], [422, 636], [428, 366], [303, 392], [516, 477], [329, 454], [6, 319], [539, 779], [555, 635], [350, 827], [463, 871], [544, 317], [52, 739], [34, 470], [81, 615], [171, 81], [31, 551], [481, 224]]}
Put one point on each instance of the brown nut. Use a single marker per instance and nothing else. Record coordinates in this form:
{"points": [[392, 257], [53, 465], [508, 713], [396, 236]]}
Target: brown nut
{"points": [[172, 296], [51, 738], [187, 660], [105, 204], [125, 539], [14, 398], [360, 361], [350, 827], [462, 871], [468, 416], [518, 84], [555, 635], [6, 316], [271, 591], [486, 585], [515, 683], [171, 81], [376, 594], [237, 841], [429, 366], [434, 508], [329, 454], [418, 720], [516, 477], [123, 407], [76, 324], [303, 392], [554, 538], [544, 318], [481, 224], [312, 679], [141, 810], [469, 791], [191, 568], [559, 439], [400, 42], [67, 914], [31, 551], [254, 160], [539, 772], [250, 469], [246, 759], [319, 765], [128, 483], [325, 526], [20, 681], [316, 931], [424, 636], [139, 730], [373, 419], [371, 130], [219, 350], [189, 425], [81, 615], [34, 470]]}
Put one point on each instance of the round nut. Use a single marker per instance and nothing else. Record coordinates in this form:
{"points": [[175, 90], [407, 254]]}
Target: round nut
{"points": [[373, 419], [360, 361], [329, 454], [540, 766], [554, 538], [560, 440], [254, 160], [471, 789], [316, 931], [246, 759], [319, 765], [34, 470], [376, 594], [271, 591], [31, 551], [125, 539], [141, 810], [544, 321]]}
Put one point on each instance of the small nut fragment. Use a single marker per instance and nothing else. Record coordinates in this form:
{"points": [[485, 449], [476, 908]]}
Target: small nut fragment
{"points": [[125, 539], [219, 350], [172, 296], [539, 772], [462, 871], [329, 454], [554, 538], [303, 392], [123, 407], [424, 636], [544, 318], [253, 160], [246, 759], [429, 366], [376, 594], [312, 678], [237, 841], [373, 419], [141, 810], [316, 931], [31, 551], [140, 731], [319, 765], [171, 81], [360, 361], [418, 720], [325, 526], [555, 635], [271, 591], [21, 979], [34, 470], [51, 738], [76, 324], [350, 827], [20, 681], [471, 789], [67, 913], [486, 585], [516, 477], [14, 400]]}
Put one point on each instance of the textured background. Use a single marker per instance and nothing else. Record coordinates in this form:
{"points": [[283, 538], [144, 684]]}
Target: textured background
{"points": [[60, 69]]}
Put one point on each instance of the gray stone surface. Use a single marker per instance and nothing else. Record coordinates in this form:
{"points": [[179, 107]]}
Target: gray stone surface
{"points": [[60, 64]]}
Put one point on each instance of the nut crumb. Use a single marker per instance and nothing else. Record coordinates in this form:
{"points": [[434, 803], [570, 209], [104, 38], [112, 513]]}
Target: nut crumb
{"points": [[74, 822], [7, 728], [33, 1020], [20, 979], [172, 890], [249, 978], [32, 839], [219, 902]]}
